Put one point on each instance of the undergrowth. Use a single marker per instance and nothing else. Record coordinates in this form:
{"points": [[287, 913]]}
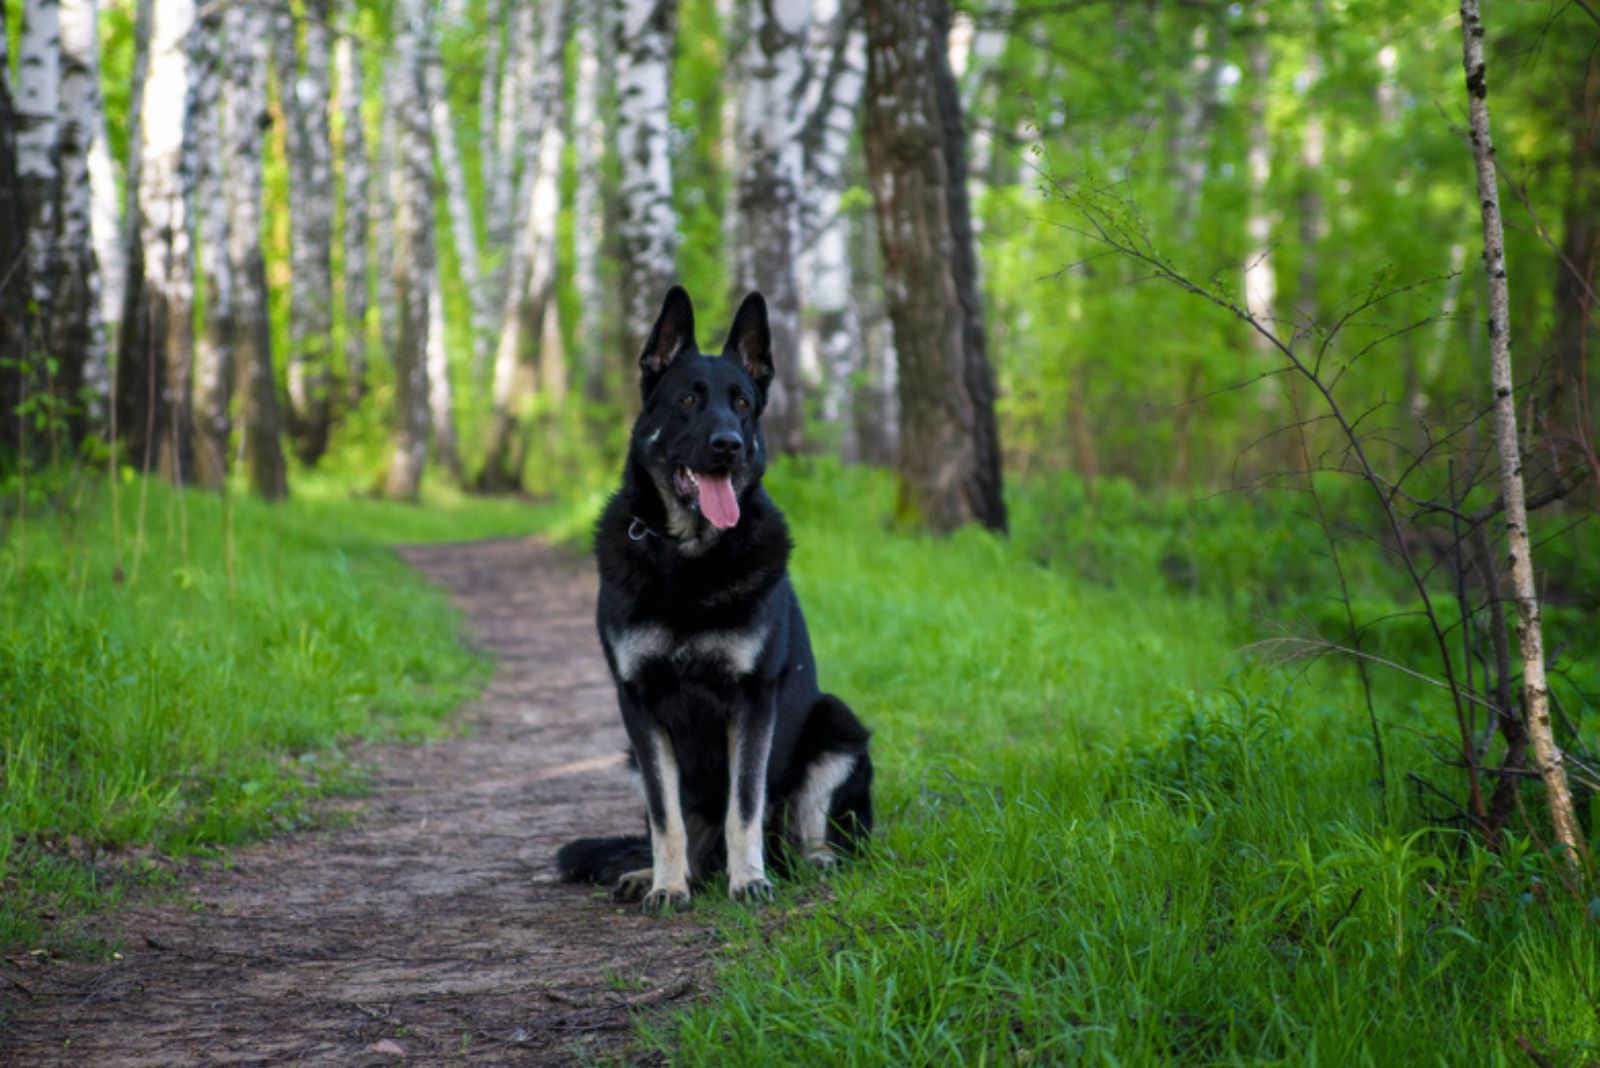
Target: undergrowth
{"points": [[1106, 838], [203, 698]]}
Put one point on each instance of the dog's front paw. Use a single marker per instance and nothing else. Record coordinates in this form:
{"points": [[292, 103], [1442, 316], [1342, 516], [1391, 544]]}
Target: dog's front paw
{"points": [[632, 886], [663, 900], [757, 891]]}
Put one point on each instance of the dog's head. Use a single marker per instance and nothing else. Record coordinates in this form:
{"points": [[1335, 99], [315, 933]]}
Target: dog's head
{"points": [[699, 435]]}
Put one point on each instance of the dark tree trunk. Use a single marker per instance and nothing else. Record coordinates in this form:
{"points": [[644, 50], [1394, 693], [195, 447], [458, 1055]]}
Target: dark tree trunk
{"points": [[1576, 335], [13, 275], [949, 458]]}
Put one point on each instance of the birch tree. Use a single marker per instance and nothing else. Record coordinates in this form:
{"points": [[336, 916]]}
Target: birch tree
{"points": [[1260, 279], [515, 123], [303, 95], [77, 332], [1530, 633], [213, 357], [13, 260], [771, 78], [441, 395], [135, 378], [411, 184], [647, 222], [168, 288], [382, 218], [830, 327], [463, 229], [530, 277], [245, 121], [949, 461], [594, 76], [38, 133], [357, 179]]}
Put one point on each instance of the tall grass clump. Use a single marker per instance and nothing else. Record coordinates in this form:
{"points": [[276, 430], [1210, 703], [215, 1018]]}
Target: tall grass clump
{"points": [[1105, 838], [201, 698]]}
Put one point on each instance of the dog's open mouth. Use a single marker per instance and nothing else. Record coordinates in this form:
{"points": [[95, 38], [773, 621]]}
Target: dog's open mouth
{"points": [[711, 491]]}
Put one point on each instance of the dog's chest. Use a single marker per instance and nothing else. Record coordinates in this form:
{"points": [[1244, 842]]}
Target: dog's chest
{"points": [[733, 652]]}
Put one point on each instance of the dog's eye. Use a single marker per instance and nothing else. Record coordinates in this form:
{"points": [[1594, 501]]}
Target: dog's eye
{"points": [[741, 402], [688, 400]]}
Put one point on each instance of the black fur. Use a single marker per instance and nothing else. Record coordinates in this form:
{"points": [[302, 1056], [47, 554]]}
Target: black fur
{"points": [[702, 630]]}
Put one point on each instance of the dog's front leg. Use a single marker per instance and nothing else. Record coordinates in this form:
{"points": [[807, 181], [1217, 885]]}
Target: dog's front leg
{"points": [[669, 841], [744, 826]]}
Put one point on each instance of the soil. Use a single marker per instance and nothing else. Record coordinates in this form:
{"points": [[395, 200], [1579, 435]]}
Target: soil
{"points": [[431, 929]]}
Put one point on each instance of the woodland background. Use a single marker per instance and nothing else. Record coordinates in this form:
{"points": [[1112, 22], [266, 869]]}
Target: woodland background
{"points": [[321, 254]]}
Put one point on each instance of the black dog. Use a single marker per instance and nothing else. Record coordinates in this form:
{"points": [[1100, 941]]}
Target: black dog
{"points": [[733, 743]]}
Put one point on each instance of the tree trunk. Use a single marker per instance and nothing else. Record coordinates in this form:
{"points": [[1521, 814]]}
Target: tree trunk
{"points": [[213, 358], [648, 223], [512, 125], [164, 189], [382, 218], [303, 95], [77, 332], [916, 161], [441, 397], [1576, 336], [246, 120], [531, 276], [357, 183], [38, 133], [771, 83], [494, 32], [13, 266], [136, 377], [1530, 635], [413, 267], [588, 215], [830, 329], [463, 229], [1260, 279]]}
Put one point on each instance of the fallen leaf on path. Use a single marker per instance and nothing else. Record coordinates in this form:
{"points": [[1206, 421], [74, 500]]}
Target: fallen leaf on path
{"points": [[387, 1045]]}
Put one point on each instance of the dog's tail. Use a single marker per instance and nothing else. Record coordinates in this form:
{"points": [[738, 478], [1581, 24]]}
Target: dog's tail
{"points": [[603, 860]]}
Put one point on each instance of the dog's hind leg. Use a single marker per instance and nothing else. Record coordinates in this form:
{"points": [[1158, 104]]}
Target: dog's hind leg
{"points": [[814, 803], [749, 750]]}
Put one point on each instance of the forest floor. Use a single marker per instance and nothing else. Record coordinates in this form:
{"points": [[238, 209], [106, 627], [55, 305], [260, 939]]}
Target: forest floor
{"points": [[425, 925]]}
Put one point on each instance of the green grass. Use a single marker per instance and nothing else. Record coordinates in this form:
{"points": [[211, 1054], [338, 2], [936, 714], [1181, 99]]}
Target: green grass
{"points": [[1106, 839], [180, 710]]}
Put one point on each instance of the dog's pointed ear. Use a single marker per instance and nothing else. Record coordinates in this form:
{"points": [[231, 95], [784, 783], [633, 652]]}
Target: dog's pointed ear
{"points": [[750, 341], [671, 337]]}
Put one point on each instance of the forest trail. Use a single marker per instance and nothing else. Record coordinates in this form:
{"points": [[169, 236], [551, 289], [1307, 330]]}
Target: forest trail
{"points": [[432, 929]]}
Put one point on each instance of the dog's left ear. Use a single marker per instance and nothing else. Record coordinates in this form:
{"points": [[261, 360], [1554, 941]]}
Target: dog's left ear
{"points": [[750, 341]]}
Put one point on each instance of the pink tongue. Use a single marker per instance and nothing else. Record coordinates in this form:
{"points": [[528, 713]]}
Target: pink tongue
{"points": [[717, 502]]}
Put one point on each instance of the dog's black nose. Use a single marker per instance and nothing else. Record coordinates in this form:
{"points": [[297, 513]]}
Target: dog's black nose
{"points": [[726, 443]]}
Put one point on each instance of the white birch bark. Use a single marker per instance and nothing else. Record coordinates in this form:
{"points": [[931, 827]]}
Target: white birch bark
{"points": [[213, 357], [413, 265], [647, 223], [511, 129], [830, 330], [463, 229], [489, 87], [163, 199], [588, 215], [772, 68], [78, 331], [357, 181], [441, 397], [382, 217], [1530, 634], [38, 133], [245, 122], [105, 225], [531, 269], [304, 96]]}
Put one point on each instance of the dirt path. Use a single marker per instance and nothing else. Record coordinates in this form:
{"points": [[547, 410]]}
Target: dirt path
{"points": [[432, 930]]}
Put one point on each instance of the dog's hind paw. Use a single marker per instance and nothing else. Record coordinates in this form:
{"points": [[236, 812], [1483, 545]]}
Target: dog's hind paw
{"points": [[757, 891], [822, 858], [664, 900], [632, 886]]}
